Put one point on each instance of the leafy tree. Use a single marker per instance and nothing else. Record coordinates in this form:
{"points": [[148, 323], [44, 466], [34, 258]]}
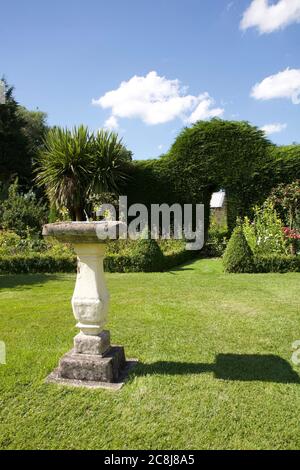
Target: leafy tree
{"points": [[15, 159], [34, 128], [21, 135]]}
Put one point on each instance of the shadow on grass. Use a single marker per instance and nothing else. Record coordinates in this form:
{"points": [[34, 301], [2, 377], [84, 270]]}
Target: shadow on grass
{"points": [[211, 268], [25, 281], [187, 266], [235, 367]]}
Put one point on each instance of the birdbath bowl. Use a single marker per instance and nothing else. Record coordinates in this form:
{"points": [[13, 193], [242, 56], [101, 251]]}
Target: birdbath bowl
{"points": [[93, 360]]}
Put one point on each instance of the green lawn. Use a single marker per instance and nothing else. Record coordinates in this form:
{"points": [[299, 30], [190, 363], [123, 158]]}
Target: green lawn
{"points": [[215, 363]]}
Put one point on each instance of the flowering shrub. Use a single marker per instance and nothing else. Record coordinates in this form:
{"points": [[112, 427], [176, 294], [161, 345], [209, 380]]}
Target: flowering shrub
{"points": [[293, 238], [286, 200], [264, 235], [291, 234]]}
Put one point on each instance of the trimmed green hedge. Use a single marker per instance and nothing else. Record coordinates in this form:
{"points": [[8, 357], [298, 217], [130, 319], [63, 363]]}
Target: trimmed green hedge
{"points": [[124, 264], [277, 264], [176, 259], [271, 264], [43, 263], [36, 263]]}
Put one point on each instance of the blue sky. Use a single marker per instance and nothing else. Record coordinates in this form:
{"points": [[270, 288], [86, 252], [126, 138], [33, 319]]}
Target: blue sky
{"points": [[61, 55]]}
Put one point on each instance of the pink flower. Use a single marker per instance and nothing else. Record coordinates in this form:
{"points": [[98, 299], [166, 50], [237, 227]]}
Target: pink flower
{"points": [[291, 234]]}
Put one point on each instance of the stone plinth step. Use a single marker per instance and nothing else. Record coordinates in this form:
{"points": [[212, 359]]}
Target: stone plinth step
{"points": [[93, 371]]}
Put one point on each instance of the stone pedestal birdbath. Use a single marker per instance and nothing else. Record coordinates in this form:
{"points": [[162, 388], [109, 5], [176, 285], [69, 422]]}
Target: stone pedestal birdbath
{"points": [[93, 361]]}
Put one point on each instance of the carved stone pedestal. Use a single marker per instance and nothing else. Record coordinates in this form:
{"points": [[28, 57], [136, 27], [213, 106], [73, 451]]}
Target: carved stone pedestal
{"points": [[93, 361]]}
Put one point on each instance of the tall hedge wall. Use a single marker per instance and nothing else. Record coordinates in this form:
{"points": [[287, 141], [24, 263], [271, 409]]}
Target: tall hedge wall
{"points": [[221, 154], [155, 182], [211, 155], [285, 163]]}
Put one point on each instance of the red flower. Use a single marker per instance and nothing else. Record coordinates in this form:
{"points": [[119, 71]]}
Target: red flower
{"points": [[291, 234]]}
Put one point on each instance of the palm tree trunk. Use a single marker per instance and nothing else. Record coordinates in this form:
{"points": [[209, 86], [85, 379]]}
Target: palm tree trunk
{"points": [[79, 214]]}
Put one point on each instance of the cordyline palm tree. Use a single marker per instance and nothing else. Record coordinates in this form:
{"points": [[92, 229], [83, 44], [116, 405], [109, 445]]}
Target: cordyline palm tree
{"points": [[64, 168], [73, 165], [110, 161]]}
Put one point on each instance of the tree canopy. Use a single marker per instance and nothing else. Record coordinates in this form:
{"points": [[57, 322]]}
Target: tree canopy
{"points": [[21, 133], [220, 154]]}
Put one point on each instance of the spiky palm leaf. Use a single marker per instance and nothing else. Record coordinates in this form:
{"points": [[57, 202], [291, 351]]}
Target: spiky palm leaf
{"points": [[65, 168], [110, 162]]}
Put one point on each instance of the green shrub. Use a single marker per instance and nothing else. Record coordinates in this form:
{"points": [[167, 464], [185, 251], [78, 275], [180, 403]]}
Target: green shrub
{"points": [[147, 256], [13, 244], [115, 263], [238, 257], [36, 263], [9, 240], [170, 247], [56, 249], [277, 264], [217, 242], [33, 255], [22, 213]]}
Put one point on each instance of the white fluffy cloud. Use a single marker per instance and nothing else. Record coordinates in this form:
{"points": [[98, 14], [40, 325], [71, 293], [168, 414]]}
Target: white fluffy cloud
{"points": [[156, 100], [273, 128], [285, 84], [111, 123], [268, 17], [204, 109]]}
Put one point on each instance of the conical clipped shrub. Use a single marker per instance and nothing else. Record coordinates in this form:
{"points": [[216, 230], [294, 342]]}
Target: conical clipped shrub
{"points": [[147, 256], [238, 257]]}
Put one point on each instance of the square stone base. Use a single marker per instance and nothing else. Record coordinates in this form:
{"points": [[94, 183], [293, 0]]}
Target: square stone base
{"points": [[93, 368], [108, 370], [55, 378]]}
